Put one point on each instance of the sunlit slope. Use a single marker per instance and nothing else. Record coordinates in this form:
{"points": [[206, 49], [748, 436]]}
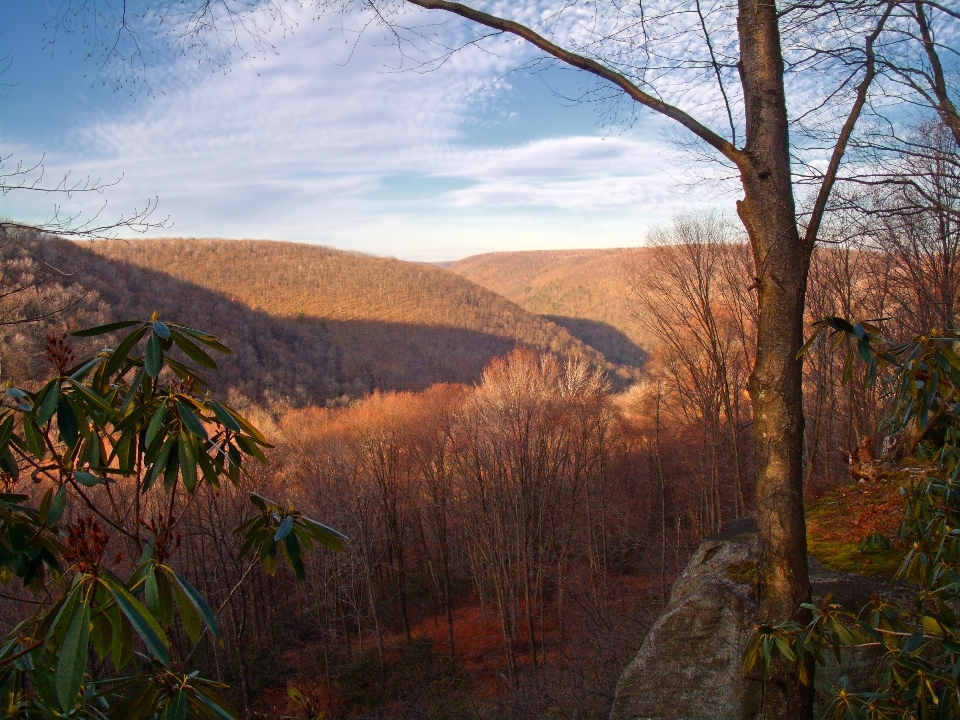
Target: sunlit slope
{"points": [[586, 291], [313, 323]]}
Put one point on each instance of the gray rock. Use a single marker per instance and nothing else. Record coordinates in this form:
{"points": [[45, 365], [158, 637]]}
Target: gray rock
{"points": [[690, 664]]}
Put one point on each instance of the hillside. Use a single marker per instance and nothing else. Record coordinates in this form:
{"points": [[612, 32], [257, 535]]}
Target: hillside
{"points": [[310, 323], [585, 291]]}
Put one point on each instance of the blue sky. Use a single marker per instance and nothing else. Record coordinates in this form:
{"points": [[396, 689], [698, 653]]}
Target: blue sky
{"points": [[320, 144]]}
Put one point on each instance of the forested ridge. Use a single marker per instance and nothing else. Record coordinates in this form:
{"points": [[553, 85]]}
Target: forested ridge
{"points": [[511, 483], [439, 597], [511, 532], [308, 324], [586, 291]]}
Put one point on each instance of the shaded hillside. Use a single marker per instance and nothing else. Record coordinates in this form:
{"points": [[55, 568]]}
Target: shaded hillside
{"points": [[309, 323], [585, 291]]}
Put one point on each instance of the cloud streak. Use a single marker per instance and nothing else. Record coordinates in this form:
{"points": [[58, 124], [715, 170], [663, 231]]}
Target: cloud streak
{"points": [[302, 145]]}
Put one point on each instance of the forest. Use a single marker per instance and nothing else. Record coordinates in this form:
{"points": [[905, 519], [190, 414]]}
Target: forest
{"points": [[257, 479], [509, 536], [308, 324]]}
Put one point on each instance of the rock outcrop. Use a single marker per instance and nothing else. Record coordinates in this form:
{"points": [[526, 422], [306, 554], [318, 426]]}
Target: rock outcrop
{"points": [[690, 665]]}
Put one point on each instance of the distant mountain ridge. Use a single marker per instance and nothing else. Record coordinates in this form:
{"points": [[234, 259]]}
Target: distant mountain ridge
{"points": [[585, 291], [309, 323]]}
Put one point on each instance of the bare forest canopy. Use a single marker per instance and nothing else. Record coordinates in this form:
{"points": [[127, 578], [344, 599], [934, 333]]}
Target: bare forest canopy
{"points": [[588, 292], [511, 533], [309, 324], [514, 522]]}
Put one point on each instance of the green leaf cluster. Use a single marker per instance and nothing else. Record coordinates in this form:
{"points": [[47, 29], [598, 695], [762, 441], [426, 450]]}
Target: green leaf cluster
{"points": [[134, 416], [285, 532], [918, 674]]}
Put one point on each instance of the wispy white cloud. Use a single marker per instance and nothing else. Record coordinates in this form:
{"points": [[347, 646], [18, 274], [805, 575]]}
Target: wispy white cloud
{"points": [[579, 172], [299, 147]]}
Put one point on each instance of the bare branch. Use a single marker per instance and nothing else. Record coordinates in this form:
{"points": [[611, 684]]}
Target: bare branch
{"points": [[722, 145], [840, 148]]}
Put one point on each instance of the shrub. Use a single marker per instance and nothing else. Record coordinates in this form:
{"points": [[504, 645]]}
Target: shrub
{"points": [[111, 441]]}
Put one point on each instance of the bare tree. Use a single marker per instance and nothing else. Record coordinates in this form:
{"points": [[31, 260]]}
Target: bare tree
{"points": [[28, 282], [846, 279], [720, 72], [26, 278], [635, 49], [19, 178], [695, 300], [916, 229], [432, 451]]}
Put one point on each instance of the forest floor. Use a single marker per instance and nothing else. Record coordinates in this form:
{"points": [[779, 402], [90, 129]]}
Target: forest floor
{"points": [[575, 674], [843, 524], [418, 679]]}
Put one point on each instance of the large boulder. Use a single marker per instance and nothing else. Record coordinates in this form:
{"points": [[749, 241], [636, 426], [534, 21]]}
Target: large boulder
{"points": [[690, 665]]}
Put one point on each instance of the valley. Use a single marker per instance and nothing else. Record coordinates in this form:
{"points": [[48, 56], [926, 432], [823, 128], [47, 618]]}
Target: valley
{"points": [[312, 325], [523, 450]]}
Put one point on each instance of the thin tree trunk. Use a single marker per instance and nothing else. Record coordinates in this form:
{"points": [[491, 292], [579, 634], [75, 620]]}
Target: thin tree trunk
{"points": [[374, 613], [663, 509]]}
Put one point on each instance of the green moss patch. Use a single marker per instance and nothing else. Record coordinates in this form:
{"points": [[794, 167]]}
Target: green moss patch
{"points": [[846, 557]]}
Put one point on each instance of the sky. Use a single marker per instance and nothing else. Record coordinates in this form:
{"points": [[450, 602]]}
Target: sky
{"points": [[325, 141]]}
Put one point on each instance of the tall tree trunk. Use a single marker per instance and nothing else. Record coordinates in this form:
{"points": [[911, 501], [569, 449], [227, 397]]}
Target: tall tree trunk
{"points": [[663, 508], [372, 600], [782, 262], [402, 591]]}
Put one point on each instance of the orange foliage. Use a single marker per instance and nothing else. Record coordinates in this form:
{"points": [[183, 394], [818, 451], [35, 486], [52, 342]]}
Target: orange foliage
{"points": [[308, 324], [586, 291], [857, 511]]}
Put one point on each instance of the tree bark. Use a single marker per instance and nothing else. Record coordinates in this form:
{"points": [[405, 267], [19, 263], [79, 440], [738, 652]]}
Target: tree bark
{"points": [[941, 99], [782, 261]]}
